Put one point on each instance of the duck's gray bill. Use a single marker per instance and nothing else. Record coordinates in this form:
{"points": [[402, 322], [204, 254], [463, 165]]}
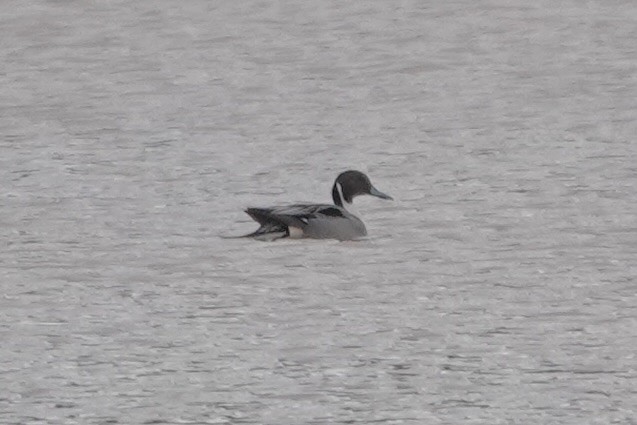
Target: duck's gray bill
{"points": [[378, 193]]}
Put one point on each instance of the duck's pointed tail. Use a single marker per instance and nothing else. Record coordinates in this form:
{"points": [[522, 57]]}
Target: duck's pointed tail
{"points": [[262, 234], [270, 230], [233, 237]]}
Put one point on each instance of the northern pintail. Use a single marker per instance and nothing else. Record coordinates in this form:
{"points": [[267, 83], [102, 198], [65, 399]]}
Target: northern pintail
{"points": [[318, 221]]}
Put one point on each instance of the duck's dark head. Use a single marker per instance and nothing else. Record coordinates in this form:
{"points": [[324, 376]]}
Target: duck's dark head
{"points": [[350, 184]]}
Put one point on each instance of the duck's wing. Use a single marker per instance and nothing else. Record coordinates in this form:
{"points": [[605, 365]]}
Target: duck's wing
{"points": [[278, 220], [294, 215]]}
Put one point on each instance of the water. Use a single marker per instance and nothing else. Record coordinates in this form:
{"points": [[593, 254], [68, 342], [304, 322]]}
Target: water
{"points": [[499, 287]]}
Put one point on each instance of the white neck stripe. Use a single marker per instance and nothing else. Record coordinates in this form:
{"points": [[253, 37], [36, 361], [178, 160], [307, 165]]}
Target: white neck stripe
{"points": [[346, 205], [339, 189]]}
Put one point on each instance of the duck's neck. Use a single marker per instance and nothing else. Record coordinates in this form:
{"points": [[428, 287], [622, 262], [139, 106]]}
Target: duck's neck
{"points": [[337, 195], [341, 201]]}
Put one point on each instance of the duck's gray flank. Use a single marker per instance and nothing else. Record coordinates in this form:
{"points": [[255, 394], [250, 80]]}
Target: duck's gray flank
{"points": [[319, 221]]}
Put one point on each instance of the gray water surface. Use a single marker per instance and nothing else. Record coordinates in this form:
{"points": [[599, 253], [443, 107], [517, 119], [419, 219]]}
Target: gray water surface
{"points": [[499, 288]]}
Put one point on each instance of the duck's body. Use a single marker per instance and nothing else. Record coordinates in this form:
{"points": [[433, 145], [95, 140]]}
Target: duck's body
{"points": [[307, 221], [318, 221]]}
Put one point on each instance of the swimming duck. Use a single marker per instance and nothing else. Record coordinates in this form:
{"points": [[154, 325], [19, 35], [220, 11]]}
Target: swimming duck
{"points": [[318, 221]]}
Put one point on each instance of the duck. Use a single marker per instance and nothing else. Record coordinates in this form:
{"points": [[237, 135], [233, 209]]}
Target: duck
{"points": [[318, 221]]}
